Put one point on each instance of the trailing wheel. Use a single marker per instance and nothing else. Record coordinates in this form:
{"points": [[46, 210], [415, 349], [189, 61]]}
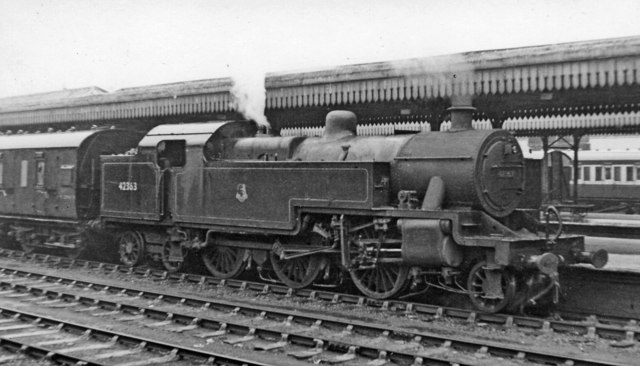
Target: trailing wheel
{"points": [[223, 261], [130, 248], [490, 289], [297, 272], [173, 256]]}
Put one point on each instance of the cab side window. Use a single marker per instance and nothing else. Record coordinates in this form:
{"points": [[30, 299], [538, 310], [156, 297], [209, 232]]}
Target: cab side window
{"points": [[171, 153]]}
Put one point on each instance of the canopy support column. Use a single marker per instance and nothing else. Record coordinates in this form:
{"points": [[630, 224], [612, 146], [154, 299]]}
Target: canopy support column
{"points": [[544, 176], [576, 173]]}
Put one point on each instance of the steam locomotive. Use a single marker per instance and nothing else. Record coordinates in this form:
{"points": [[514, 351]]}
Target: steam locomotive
{"points": [[393, 213]]}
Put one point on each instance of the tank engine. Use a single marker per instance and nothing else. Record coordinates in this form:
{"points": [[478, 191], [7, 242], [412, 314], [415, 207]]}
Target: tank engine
{"points": [[390, 212]]}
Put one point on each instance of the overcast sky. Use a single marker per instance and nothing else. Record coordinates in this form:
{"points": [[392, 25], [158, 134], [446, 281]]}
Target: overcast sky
{"points": [[57, 44]]}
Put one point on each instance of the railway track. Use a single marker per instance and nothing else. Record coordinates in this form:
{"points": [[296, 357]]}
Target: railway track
{"points": [[300, 334], [24, 334], [568, 320]]}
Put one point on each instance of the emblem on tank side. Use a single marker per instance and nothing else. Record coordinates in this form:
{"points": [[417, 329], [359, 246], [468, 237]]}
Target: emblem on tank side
{"points": [[241, 192]]}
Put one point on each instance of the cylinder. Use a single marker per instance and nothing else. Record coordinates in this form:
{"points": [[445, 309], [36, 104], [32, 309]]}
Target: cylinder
{"points": [[424, 244]]}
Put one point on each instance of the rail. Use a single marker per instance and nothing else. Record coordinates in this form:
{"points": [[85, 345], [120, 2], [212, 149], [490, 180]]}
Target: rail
{"points": [[357, 338]]}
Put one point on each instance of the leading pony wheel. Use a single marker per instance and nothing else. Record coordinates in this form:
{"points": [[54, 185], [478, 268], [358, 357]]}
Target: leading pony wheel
{"points": [[297, 272], [383, 281], [480, 292], [222, 261], [131, 248]]}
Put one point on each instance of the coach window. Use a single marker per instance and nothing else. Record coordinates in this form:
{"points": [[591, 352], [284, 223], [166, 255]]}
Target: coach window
{"points": [[638, 173], [66, 175], [629, 172], [598, 173], [24, 172], [607, 173], [171, 153], [586, 173], [40, 164], [617, 171]]}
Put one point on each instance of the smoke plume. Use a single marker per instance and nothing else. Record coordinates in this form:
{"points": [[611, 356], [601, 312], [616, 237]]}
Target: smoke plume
{"points": [[249, 95]]}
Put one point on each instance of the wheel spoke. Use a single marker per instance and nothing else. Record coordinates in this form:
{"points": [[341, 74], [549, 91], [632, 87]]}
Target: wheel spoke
{"points": [[370, 276], [385, 279], [222, 261]]}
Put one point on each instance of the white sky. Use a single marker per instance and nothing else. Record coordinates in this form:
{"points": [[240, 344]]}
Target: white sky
{"points": [[57, 44]]}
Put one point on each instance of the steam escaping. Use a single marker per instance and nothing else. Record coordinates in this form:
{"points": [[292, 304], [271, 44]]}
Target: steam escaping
{"points": [[249, 96]]}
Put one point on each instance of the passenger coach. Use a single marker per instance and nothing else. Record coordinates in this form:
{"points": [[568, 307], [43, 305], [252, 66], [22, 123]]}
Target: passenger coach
{"points": [[50, 184]]}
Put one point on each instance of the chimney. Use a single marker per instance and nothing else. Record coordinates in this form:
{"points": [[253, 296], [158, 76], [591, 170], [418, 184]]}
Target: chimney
{"points": [[461, 112], [340, 124]]}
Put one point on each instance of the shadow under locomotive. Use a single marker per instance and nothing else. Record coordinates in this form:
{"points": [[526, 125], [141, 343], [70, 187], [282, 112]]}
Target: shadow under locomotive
{"points": [[392, 213]]}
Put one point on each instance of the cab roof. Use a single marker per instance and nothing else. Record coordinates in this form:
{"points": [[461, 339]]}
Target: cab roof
{"points": [[197, 134]]}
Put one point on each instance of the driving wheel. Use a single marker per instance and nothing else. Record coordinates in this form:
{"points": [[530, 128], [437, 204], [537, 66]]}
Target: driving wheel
{"points": [[372, 275], [297, 272], [222, 261], [383, 281]]}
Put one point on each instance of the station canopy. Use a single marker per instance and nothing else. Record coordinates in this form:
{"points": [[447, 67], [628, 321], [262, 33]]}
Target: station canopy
{"points": [[546, 75], [621, 123]]}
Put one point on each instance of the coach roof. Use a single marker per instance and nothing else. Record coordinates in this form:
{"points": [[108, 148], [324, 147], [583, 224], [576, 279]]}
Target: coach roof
{"points": [[45, 140]]}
